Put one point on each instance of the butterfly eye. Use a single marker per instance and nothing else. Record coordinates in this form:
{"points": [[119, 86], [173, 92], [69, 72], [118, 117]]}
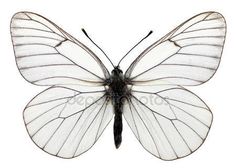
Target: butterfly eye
{"points": [[120, 71]]}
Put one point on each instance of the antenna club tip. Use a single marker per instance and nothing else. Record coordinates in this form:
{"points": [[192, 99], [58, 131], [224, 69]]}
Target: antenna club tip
{"points": [[150, 32], [83, 30]]}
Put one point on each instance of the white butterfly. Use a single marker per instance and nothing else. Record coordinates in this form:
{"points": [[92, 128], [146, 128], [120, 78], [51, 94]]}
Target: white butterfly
{"points": [[189, 55]]}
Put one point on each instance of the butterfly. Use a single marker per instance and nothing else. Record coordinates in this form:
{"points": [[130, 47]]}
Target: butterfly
{"points": [[67, 119]]}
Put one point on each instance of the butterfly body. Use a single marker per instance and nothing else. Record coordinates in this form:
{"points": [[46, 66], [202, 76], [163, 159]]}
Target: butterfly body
{"points": [[118, 91]]}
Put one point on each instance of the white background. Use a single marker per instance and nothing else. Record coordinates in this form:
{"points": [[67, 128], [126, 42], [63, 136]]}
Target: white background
{"points": [[116, 27]]}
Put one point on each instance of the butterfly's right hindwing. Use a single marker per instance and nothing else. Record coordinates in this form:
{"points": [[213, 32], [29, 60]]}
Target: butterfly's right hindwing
{"points": [[170, 122]]}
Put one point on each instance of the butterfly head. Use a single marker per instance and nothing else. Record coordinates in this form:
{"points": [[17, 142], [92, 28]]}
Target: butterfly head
{"points": [[117, 71]]}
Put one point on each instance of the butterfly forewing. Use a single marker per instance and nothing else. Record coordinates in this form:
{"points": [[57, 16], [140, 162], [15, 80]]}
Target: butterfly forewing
{"points": [[189, 55], [47, 55]]}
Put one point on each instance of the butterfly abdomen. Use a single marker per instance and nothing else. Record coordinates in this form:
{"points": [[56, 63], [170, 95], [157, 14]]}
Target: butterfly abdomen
{"points": [[118, 126]]}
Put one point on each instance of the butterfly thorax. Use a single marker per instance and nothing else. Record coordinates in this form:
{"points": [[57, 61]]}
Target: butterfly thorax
{"points": [[117, 85], [118, 92]]}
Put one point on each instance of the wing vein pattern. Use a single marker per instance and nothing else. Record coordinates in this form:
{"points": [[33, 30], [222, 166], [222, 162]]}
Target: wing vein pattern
{"points": [[189, 55], [47, 55], [64, 123], [169, 121]]}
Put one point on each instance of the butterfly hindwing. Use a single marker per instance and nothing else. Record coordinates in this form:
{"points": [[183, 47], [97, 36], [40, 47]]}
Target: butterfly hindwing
{"points": [[169, 121], [66, 122]]}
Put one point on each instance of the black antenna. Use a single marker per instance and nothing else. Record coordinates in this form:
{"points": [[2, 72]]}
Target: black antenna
{"points": [[135, 46], [86, 34]]}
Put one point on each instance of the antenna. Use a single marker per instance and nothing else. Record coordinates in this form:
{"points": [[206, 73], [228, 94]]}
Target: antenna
{"points": [[135, 46], [86, 34]]}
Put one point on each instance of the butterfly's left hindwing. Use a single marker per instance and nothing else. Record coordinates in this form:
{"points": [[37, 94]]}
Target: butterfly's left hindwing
{"points": [[66, 122]]}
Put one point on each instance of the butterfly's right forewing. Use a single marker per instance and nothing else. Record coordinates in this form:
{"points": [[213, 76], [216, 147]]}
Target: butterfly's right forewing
{"points": [[189, 55]]}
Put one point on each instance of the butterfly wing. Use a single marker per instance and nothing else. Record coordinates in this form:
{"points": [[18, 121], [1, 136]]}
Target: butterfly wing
{"points": [[169, 121], [68, 118], [66, 122], [47, 55], [188, 55]]}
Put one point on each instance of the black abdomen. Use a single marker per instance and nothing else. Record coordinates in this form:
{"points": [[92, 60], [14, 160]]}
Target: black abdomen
{"points": [[118, 126]]}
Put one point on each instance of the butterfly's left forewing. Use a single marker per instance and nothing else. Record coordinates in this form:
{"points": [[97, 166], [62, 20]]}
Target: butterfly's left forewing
{"points": [[47, 55]]}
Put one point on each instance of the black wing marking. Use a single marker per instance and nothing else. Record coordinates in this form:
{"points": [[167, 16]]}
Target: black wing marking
{"points": [[188, 55], [170, 123], [65, 122], [47, 55]]}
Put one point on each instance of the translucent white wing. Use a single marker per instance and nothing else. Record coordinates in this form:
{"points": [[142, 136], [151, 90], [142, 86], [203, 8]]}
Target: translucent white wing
{"points": [[47, 55], [65, 122], [188, 55], [170, 122]]}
